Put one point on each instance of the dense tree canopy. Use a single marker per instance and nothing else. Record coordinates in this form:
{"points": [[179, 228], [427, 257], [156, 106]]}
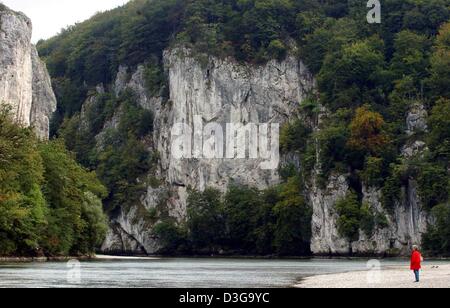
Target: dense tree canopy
{"points": [[244, 222], [48, 203]]}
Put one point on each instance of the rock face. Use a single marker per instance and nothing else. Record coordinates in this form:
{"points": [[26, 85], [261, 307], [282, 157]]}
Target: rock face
{"points": [[325, 238], [44, 100], [217, 91], [24, 81], [405, 224], [223, 91], [416, 120]]}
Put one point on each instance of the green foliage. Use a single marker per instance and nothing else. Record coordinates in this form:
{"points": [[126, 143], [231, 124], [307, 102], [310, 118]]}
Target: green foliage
{"points": [[241, 207], [371, 221], [373, 171], [90, 52], [123, 159], [327, 36], [48, 203], [354, 217], [246, 221], [349, 213], [294, 137], [22, 205], [277, 50], [410, 57], [392, 189], [440, 64], [94, 224], [206, 223], [155, 78], [348, 76], [439, 136], [293, 228], [332, 142], [173, 238], [434, 184], [437, 240], [74, 197], [381, 221]]}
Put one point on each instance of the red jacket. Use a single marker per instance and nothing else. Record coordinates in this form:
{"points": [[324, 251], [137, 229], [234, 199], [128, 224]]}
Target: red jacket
{"points": [[416, 259]]}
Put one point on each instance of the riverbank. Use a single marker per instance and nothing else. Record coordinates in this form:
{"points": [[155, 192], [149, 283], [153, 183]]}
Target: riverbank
{"points": [[432, 276], [118, 258], [44, 259], [65, 259]]}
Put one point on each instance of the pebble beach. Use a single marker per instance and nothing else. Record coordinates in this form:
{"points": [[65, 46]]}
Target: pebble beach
{"points": [[432, 276]]}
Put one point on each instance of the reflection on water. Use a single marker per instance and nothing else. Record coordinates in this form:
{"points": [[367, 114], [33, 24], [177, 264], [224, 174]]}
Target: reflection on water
{"points": [[177, 273]]}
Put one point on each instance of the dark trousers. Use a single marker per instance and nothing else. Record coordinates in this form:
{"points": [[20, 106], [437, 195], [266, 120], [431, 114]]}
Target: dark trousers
{"points": [[417, 274]]}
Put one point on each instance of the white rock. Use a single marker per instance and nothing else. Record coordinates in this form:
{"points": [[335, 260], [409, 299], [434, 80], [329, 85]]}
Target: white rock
{"points": [[24, 81], [416, 120]]}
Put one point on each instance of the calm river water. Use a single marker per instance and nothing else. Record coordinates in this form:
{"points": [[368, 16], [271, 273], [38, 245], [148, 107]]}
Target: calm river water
{"points": [[173, 272]]}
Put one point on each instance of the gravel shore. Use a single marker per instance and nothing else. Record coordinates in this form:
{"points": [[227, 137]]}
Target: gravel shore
{"points": [[395, 277]]}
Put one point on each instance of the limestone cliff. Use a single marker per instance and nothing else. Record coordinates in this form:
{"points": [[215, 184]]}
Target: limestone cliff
{"points": [[220, 91], [24, 81], [406, 223], [223, 91]]}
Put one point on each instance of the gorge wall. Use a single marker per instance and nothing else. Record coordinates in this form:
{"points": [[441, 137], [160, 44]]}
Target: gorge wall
{"points": [[25, 84], [220, 91], [224, 91]]}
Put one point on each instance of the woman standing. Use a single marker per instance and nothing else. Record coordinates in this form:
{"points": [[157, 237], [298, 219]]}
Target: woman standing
{"points": [[416, 260]]}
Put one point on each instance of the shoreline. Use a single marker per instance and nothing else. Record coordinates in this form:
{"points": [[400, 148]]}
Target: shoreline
{"points": [[44, 259], [68, 258], [102, 257], [432, 276]]}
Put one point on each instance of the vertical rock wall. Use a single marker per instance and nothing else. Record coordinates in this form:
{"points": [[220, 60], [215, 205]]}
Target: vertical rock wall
{"points": [[24, 81]]}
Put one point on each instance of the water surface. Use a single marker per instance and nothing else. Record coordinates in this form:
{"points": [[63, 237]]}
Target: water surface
{"points": [[177, 273]]}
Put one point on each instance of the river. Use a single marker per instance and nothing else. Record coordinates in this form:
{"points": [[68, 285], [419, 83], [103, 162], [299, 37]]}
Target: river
{"points": [[175, 272]]}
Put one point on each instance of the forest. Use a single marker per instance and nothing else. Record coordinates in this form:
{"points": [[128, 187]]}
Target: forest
{"points": [[369, 76], [49, 204]]}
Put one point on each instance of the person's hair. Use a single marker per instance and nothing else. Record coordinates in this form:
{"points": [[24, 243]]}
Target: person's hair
{"points": [[415, 247]]}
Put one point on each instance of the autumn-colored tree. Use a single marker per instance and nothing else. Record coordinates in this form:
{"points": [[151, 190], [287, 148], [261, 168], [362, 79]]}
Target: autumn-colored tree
{"points": [[367, 133]]}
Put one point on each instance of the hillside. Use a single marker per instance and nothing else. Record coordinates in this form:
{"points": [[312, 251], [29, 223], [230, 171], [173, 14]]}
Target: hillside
{"points": [[49, 204], [363, 108]]}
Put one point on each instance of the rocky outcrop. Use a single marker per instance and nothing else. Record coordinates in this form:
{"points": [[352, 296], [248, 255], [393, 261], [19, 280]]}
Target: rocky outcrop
{"points": [[218, 91], [404, 225], [24, 81], [325, 237], [416, 121], [44, 100], [224, 91], [16, 75]]}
